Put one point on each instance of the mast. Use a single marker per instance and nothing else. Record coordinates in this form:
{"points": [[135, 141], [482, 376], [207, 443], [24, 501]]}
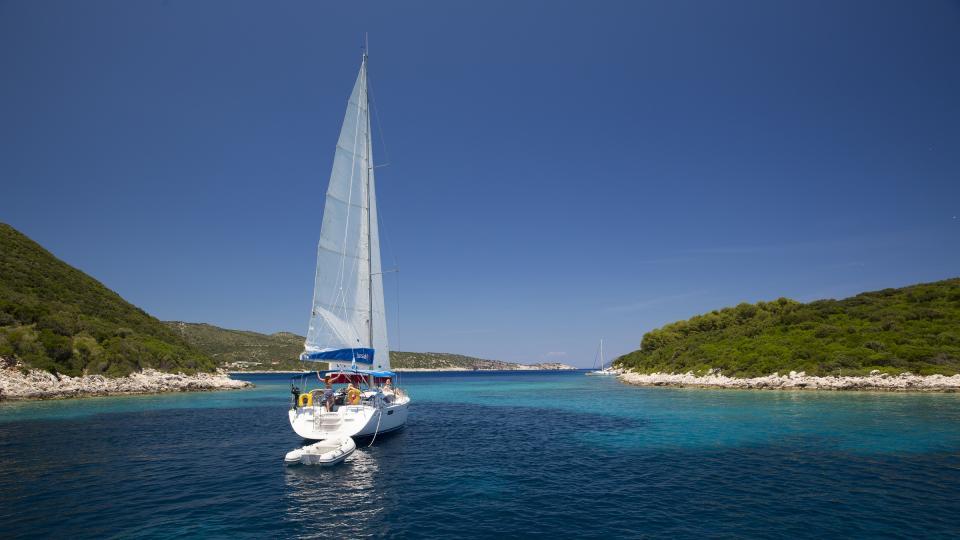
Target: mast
{"points": [[601, 354], [366, 95]]}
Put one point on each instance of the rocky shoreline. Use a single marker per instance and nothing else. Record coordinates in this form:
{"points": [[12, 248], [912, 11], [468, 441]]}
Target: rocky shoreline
{"points": [[38, 384], [876, 381]]}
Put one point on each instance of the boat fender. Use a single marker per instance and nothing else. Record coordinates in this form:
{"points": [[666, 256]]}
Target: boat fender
{"points": [[306, 400]]}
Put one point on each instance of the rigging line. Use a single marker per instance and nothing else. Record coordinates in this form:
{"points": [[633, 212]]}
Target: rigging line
{"points": [[376, 114], [382, 226], [377, 431], [396, 266], [354, 271], [339, 307], [386, 154], [398, 313], [386, 232]]}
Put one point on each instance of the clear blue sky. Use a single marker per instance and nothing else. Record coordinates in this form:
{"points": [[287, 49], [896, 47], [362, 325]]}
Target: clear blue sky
{"points": [[559, 172]]}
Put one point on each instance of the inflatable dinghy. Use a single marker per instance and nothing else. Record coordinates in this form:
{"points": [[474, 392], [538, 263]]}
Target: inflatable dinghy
{"points": [[325, 453]]}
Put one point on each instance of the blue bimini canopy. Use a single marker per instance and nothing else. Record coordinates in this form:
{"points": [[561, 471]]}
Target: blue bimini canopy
{"points": [[360, 356], [378, 374], [355, 376]]}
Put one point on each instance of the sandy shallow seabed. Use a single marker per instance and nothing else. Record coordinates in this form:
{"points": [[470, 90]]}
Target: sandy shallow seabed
{"points": [[38, 384], [801, 381]]}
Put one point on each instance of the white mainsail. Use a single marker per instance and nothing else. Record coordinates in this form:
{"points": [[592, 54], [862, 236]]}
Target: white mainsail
{"points": [[348, 316]]}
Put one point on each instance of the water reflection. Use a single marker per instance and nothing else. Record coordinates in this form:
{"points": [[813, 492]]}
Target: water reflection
{"points": [[342, 499]]}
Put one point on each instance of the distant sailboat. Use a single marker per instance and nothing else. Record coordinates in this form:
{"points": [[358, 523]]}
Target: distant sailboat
{"points": [[348, 327], [609, 370]]}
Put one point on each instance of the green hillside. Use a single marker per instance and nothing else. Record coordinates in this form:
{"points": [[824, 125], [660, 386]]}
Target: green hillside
{"points": [[240, 350], [413, 360], [432, 360], [914, 329], [55, 317]]}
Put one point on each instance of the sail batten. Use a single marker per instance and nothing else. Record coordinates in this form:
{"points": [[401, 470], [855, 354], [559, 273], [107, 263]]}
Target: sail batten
{"points": [[357, 257], [346, 202], [348, 307]]}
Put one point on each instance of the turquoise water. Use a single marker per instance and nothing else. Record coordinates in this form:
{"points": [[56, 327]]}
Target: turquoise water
{"points": [[491, 454]]}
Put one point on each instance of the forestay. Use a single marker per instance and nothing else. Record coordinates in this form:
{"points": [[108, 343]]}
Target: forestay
{"points": [[348, 289]]}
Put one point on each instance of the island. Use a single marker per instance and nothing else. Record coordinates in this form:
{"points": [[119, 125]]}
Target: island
{"points": [[893, 339], [431, 361], [243, 351]]}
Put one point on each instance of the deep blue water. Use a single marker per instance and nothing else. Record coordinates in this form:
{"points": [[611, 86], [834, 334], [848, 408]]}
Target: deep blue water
{"points": [[485, 455]]}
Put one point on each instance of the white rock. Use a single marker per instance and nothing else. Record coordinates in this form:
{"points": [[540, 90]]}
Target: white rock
{"points": [[799, 381], [37, 384]]}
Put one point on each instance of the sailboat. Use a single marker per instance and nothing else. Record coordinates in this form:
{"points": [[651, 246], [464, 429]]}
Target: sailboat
{"points": [[348, 326], [609, 370]]}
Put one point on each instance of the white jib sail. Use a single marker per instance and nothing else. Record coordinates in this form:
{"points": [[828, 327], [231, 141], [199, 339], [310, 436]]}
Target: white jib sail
{"points": [[348, 307]]}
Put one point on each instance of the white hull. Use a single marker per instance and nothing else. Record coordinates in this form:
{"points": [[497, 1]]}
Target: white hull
{"points": [[316, 424], [603, 372]]}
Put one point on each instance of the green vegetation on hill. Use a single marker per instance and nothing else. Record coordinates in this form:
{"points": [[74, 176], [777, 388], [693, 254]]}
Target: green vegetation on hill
{"points": [[430, 360], [914, 329], [240, 350], [55, 317], [413, 360]]}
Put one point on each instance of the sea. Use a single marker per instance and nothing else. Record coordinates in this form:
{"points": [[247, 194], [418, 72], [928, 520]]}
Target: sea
{"points": [[490, 455]]}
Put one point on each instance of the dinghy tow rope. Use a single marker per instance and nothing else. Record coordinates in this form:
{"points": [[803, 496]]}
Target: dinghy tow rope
{"points": [[376, 431]]}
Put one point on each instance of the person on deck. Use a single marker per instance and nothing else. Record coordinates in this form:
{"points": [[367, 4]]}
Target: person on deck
{"points": [[388, 387], [353, 394], [328, 394]]}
